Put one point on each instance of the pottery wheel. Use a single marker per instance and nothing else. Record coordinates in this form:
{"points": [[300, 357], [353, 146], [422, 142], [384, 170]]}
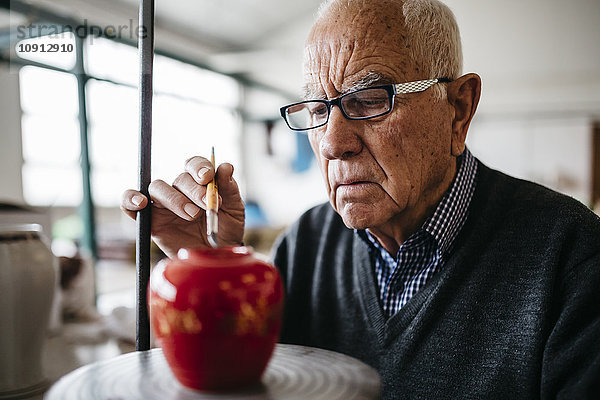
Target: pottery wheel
{"points": [[294, 372]]}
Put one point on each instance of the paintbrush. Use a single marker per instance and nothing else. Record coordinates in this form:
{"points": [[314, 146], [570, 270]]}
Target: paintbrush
{"points": [[212, 204]]}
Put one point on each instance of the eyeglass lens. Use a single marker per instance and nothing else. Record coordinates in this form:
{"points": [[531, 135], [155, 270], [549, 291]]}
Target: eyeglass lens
{"points": [[307, 115], [366, 103], [361, 104]]}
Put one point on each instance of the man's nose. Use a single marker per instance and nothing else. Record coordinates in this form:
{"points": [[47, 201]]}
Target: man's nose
{"points": [[341, 139]]}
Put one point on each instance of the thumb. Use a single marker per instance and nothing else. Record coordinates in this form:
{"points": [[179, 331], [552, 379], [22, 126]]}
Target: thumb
{"points": [[228, 187]]}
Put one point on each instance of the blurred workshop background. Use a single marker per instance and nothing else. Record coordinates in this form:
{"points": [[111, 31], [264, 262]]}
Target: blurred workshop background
{"points": [[69, 119]]}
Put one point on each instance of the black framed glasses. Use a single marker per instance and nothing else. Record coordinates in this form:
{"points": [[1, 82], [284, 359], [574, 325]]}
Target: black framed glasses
{"points": [[364, 103]]}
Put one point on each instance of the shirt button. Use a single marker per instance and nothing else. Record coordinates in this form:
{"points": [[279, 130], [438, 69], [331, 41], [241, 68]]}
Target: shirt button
{"points": [[397, 286]]}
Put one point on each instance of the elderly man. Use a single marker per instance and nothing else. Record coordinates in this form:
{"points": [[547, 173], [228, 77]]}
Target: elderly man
{"points": [[451, 279]]}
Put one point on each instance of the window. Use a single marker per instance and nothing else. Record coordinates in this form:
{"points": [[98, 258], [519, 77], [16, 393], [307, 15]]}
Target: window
{"points": [[50, 135], [193, 109]]}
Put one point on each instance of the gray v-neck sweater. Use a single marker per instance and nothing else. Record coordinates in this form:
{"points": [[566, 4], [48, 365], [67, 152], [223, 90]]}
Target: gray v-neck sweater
{"points": [[514, 313]]}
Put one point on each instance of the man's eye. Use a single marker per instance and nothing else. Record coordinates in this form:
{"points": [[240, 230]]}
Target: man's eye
{"points": [[319, 111], [361, 105], [370, 102]]}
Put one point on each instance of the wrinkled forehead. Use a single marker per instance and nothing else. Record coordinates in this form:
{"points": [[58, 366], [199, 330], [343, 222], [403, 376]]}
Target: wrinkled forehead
{"points": [[349, 42], [335, 67]]}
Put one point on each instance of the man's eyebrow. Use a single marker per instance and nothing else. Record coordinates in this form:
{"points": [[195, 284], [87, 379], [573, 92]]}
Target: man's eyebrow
{"points": [[370, 79], [367, 80]]}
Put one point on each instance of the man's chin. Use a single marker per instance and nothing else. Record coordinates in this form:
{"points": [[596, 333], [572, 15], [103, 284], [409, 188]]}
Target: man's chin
{"points": [[358, 220], [360, 214]]}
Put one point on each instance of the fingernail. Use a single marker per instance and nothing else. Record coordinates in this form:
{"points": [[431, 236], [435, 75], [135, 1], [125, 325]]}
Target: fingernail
{"points": [[191, 209], [202, 171], [137, 200]]}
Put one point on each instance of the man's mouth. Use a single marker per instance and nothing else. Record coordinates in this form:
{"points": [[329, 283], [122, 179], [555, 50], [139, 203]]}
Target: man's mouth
{"points": [[353, 183], [353, 187]]}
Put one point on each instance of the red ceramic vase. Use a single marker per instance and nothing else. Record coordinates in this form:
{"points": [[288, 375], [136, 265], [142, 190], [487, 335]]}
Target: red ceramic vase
{"points": [[216, 314]]}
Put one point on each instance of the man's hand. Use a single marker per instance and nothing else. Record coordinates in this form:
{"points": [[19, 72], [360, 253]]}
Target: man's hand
{"points": [[178, 210]]}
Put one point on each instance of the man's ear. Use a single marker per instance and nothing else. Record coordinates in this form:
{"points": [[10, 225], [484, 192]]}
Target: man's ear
{"points": [[463, 96]]}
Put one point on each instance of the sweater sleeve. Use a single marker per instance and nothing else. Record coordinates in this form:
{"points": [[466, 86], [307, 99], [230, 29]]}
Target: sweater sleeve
{"points": [[571, 361], [294, 256], [283, 256]]}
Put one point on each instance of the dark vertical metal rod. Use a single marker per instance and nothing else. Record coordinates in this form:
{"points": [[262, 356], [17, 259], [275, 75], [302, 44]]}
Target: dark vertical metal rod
{"points": [[146, 53], [87, 205]]}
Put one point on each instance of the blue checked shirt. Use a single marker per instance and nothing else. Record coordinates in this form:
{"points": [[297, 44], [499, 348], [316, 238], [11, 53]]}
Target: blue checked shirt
{"points": [[422, 254]]}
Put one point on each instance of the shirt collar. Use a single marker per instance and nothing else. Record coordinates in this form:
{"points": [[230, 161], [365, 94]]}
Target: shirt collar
{"points": [[451, 213]]}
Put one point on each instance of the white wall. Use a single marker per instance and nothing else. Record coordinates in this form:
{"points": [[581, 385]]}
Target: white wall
{"points": [[534, 55], [539, 61], [555, 152]]}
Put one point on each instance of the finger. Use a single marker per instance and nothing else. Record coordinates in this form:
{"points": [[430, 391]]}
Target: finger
{"points": [[191, 189], [228, 187], [165, 195], [200, 169], [132, 201]]}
